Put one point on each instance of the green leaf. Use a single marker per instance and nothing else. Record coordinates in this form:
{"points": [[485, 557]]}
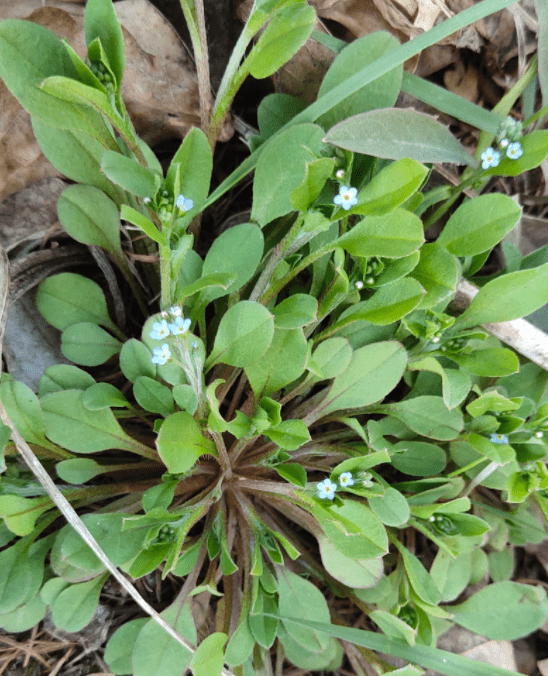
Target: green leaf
{"points": [[382, 92], [293, 472], [245, 332], [391, 187], [456, 384], [422, 583], [91, 218], [208, 660], [390, 303], [275, 110], [21, 576], [394, 235], [451, 574], [329, 659], [24, 617], [504, 611], [479, 224], [438, 273], [129, 174], [195, 164], [332, 357], [286, 33], [391, 508], [100, 21], [147, 226], [29, 53], [289, 434], [20, 513], [135, 360], [491, 362], [509, 297], [419, 458], [120, 646], [281, 169], [316, 174], [237, 251], [355, 530], [428, 416], [240, 645], [282, 363], [393, 626], [296, 311], [155, 652], [71, 425], [75, 606], [64, 377], [88, 344], [298, 597], [373, 372], [180, 442], [153, 396], [75, 154], [79, 470], [24, 410], [354, 573], [68, 298], [395, 133]]}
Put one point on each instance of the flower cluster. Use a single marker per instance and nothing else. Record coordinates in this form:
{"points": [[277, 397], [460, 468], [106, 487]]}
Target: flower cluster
{"points": [[162, 329], [165, 206], [508, 141], [346, 197], [327, 488]]}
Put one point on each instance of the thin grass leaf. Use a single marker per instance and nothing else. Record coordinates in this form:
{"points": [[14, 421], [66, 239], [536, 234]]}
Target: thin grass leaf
{"points": [[427, 657]]}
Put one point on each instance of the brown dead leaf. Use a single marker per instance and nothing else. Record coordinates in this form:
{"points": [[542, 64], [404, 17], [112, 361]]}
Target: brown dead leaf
{"points": [[159, 87]]}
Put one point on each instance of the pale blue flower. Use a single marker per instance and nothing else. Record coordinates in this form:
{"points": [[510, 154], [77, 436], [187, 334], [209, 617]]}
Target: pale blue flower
{"points": [[326, 489], [490, 158], [345, 479], [159, 330], [498, 439], [346, 197], [180, 326], [195, 344], [161, 354], [504, 143], [514, 151], [184, 204], [176, 310]]}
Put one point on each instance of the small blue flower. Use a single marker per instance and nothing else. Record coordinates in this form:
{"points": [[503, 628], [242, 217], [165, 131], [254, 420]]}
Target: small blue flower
{"points": [[195, 344], [514, 151], [498, 439], [159, 330], [345, 479], [490, 158], [180, 326], [346, 197], [326, 489], [176, 310], [161, 354], [184, 204]]}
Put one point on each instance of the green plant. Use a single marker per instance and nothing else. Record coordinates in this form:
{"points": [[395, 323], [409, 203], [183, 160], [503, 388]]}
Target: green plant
{"points": [[305, 386]]}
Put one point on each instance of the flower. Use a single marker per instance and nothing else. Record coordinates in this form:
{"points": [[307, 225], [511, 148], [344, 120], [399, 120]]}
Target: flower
{"points": [[180, 326], [176, 310], [159, 330], [359, 285], [195, 344], [326, 489], [498, 439], [490, 158], [346, 197], [340, 173], [345, 479], [184, 204], [504, 143], [147, 200], [514, 151], [161, 354], [539, 434]]}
